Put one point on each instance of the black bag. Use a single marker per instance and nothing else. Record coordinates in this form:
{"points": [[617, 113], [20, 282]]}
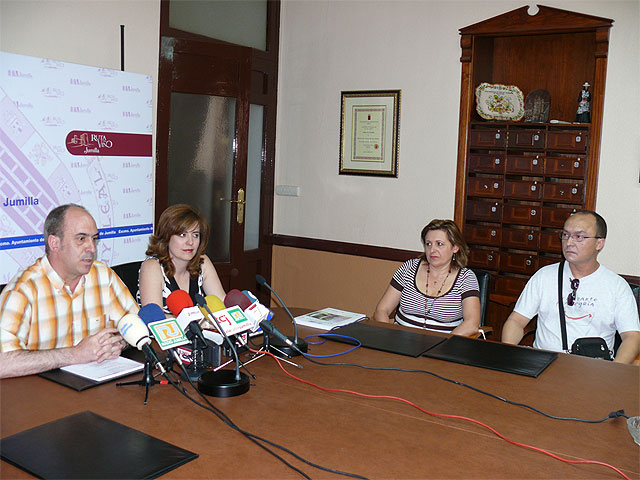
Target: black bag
{"points": [[594, 347]]}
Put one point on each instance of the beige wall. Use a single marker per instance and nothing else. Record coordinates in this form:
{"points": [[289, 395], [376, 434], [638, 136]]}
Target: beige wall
{"points": [[330, 46]]}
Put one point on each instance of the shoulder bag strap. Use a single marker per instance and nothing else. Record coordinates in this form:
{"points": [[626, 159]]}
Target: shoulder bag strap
{"points": [[563, 325]]}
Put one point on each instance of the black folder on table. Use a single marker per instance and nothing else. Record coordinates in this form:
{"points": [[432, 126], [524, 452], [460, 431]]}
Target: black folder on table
{"points": [[495, 356], [390, 340], [87, 445]]}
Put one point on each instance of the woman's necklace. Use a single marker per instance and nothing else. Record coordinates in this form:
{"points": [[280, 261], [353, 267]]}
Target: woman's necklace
{"points": [[426, 298]]}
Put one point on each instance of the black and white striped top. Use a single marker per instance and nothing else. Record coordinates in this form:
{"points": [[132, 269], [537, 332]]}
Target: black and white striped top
{"points": [[445, 311]]}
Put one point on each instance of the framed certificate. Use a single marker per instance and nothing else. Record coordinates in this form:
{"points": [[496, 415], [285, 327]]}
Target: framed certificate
{"points": [[369, 127]]}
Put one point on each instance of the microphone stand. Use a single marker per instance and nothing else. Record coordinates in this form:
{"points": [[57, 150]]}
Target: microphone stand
{"points": [[222, 383], [147, 380], [198, 366], [277, 344]]}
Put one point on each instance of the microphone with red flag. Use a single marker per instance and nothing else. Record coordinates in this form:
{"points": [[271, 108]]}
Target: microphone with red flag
{"points": [[188, 316]]}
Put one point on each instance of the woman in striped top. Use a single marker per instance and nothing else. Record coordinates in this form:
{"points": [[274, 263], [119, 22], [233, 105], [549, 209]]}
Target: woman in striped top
{"points": [[435, 291]]}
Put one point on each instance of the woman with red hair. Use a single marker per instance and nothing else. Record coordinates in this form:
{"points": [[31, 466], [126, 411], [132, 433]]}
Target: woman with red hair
{"points": [[176, 258]]}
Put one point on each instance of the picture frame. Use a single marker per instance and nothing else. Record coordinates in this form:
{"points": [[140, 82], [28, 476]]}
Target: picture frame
{"points": [[369, 129]]}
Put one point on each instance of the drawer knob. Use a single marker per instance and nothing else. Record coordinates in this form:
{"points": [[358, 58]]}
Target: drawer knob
{"points": [[528, 262], [497, 161], [497, 136], [574, 190], [578, 138], [533, 188], [530, 237], [493, 233], [493, 209], [490, 257], [495, 185], [535, 161], [576, 164], [533, 213]]}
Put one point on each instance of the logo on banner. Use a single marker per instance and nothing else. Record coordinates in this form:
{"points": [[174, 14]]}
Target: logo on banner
{"points": [[79, 142], [168, 333]]}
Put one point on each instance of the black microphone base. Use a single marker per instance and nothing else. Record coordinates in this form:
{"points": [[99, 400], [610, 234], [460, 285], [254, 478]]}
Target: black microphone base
{"points": [[223, 383], [279, 347]]}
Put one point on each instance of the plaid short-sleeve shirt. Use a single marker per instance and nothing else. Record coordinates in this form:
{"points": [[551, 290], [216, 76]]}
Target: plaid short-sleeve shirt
{"points": [[39, 312]]}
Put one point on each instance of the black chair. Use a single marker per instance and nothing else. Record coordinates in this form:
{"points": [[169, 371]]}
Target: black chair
{"points": [[484, 282], [128, 273]]}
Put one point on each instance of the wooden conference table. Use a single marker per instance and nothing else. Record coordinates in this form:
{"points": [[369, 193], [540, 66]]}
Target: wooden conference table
{"points": [[376, 438]]}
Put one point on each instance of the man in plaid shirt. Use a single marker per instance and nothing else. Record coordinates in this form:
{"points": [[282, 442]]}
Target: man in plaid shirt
{"points": [[62, 309]]}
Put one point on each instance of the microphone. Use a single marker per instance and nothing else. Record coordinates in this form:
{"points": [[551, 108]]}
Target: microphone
{"points": [[136, 333], [181, 306], [300, 343], [222, 383], [272, 330], [167, 331], [254, 299], [188, 317], [249, 308]]}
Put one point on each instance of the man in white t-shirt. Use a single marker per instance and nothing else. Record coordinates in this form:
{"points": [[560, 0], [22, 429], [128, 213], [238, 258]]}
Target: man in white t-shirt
{"points": [[597, 301]]}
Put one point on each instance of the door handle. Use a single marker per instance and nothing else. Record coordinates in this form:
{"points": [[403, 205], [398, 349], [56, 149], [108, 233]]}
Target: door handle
{"points": [[241, 202]]}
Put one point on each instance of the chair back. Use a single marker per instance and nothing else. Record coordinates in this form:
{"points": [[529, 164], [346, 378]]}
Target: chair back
{"points": [[128, 273], [635, 289], [484, 281]]}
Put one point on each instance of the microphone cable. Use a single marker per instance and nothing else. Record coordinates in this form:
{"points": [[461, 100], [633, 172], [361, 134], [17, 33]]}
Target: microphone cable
{"points": [[615, 414], [253, 437], [450, 416], [356, 346]]}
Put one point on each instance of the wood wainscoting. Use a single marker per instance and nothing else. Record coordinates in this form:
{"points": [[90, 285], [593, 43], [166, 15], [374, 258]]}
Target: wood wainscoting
{"points": [[317, 279]]}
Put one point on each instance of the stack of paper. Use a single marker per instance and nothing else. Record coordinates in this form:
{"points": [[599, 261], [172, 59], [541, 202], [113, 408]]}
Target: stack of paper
{"points": [[329, 318], [107, 370]]}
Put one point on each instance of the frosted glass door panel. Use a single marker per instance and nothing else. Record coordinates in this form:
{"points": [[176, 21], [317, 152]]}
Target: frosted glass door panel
{"points": [[254, 175], [201, 155]]}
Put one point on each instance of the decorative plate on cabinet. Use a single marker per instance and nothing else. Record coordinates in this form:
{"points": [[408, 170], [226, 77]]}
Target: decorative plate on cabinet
{"points": [[499, 102]]}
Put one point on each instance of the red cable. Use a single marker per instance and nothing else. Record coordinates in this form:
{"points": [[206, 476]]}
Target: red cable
{"points": [[444, 415]]}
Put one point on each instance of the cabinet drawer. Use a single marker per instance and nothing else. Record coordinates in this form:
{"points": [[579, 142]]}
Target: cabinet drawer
{"points": [[490, 163], [571, 140], [526, 138], [485, 187], [555, 216], [487, 138], [510, 286], [482, 235], [563, 192], [550, 241], [520, 238], [525, 164], [488, 211], [522, 189], [521, 214], [485, 259], [565, 166], [518, 263], [544, 260]]}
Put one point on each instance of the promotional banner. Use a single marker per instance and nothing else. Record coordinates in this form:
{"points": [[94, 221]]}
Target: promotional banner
{"points": [[73, 134]]}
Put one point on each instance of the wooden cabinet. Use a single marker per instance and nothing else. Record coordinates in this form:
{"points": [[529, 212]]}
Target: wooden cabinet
{"points": [[519, 181]]}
